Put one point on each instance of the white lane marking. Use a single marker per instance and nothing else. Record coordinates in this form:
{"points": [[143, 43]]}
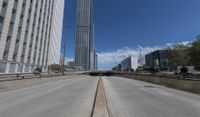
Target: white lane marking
{"points": [[52, 90]]}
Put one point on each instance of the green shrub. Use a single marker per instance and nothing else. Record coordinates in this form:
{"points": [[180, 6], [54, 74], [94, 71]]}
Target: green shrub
{"points": [[184, 70]]}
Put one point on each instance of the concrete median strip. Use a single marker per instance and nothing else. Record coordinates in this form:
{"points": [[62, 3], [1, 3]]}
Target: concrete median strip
{"points": [[100, 105]]}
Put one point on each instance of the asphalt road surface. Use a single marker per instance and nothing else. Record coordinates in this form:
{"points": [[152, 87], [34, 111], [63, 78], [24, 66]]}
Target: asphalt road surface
{"points": [[74, 98], [66, 98], [131, 98]]}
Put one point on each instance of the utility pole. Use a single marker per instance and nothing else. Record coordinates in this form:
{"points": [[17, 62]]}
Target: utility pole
{"points": [[21, 68], [64, 54], [65, 37], [140, 57]]}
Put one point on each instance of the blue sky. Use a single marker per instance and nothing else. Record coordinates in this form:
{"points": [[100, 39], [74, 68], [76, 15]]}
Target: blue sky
{"points": [[121, 26]]}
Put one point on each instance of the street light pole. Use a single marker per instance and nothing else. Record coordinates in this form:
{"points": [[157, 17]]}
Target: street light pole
{"points": [[65, 39], [140, 58], [21, 68], [64, 54]]}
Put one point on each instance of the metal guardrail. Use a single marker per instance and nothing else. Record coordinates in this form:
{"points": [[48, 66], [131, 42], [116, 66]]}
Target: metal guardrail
{"points": [[19, 76]]}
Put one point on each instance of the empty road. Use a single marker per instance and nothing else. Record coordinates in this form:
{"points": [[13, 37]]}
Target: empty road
{"points": [[74, 98], [131, 98], [65, 98]]}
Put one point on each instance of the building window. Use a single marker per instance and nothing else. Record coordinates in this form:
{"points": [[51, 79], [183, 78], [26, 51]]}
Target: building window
{"points": [[12, 68], [2, 67], [22, 56], [5, 55], [1, 24], [14, 56], [5, 4], [1, 20], [8, 39], [13, 11], [17, 41], [11, 26]]}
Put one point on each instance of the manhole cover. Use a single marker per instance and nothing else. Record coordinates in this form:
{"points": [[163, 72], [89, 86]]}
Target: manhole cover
{"points": [[149, 86]]}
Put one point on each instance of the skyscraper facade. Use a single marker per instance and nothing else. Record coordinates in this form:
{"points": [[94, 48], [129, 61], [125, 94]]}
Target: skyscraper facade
{"points": [[84, 35], [27, 31], [56, 33]]}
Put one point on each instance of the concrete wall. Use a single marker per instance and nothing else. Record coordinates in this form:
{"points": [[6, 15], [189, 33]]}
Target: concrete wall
{"points": [[181, 84]]}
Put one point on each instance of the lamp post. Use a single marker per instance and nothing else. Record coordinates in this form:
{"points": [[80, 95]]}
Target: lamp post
{"points": [[140, 58], [21, 64], [65, 38]]}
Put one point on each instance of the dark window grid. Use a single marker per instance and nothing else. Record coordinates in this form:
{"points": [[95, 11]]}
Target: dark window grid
{"points": [[43, 26], [19, 29], [45, 43]]}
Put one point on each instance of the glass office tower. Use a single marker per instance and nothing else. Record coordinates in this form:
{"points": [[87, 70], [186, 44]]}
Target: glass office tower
{"points": [[84, 35]]}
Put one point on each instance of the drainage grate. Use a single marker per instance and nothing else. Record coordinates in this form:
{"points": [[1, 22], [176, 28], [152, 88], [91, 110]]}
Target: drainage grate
{"points": [[149, 86]]}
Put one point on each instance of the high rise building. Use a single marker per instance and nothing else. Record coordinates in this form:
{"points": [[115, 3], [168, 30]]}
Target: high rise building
{"points": [[28, 28], [84, 35], [56, 33], [129, 64]]}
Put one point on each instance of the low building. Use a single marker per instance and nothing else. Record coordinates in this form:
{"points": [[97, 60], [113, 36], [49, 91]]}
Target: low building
{"points": [[157, 60], [70, 64], [129, 64], [114, 68], [117, 68]]}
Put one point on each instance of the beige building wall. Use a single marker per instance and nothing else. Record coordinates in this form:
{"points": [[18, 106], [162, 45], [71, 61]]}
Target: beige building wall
{"points": [[27, 30]]}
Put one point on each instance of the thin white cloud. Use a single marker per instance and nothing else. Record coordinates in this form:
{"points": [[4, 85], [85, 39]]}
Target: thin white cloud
{"points": [[69, 59], [109, 59], [181, 43], [185, 42]]}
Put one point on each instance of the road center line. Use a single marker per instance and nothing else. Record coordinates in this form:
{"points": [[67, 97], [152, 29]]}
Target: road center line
{"points": [[100, 109]]}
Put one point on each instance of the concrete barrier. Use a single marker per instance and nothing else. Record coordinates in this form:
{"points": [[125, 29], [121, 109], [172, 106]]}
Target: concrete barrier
{"points": [[181, 84]]}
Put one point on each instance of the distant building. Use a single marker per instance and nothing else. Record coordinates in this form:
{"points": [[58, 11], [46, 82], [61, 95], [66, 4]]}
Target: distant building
{"points": [[129, 64], [70, 64], [157, 60], [141, 61], [30, 34], [84, 35], [114, 68], [117, 68]]}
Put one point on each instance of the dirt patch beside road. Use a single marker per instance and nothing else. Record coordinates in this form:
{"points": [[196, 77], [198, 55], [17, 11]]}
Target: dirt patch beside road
{"points": [[180, 84], [17, 84]]}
